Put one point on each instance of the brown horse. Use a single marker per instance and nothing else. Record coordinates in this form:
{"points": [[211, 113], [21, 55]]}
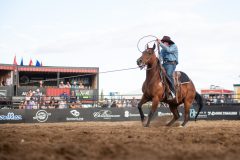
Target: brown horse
{"points": [[156, 89]]}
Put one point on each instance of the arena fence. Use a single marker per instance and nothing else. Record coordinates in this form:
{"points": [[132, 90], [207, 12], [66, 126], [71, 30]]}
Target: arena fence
{"points": [[212, 112]]}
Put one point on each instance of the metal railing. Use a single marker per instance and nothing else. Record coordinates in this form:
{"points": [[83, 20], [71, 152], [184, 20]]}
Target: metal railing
{"points": [[105, 101]]}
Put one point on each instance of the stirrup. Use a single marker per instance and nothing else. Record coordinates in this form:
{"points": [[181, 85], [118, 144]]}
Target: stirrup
{"points": [[171, 96]]}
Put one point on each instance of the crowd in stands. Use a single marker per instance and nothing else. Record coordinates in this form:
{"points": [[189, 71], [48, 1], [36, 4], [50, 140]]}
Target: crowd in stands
{"points": [[218, 99], [6, 80], [37, 100], [74, 85], [113, 103]]}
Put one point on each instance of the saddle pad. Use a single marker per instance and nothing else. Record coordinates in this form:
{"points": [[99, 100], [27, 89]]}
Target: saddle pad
{"points": [[182, 77]]}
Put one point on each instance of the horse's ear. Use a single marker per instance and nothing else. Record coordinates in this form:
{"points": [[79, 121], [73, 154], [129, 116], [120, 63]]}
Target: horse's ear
{"points": [[154, 46], [147, 46]]}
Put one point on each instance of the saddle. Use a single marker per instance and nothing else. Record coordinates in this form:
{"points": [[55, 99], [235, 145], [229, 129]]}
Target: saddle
{"points": [[179, 79]]}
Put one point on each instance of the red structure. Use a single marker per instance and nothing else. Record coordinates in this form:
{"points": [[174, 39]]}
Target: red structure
{"points": [[15, 80], [216, 91]]}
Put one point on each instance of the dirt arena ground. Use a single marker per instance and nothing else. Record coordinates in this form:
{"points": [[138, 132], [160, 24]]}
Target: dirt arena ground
{"points": [[205, 140]]}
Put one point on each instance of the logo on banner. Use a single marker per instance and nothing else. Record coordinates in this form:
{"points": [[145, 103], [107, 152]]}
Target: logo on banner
{"points": [[42, 116], [105, 114], [75, 113], [10, 116], [160, 114], [76, 116], [218, 113], [128, 114]]}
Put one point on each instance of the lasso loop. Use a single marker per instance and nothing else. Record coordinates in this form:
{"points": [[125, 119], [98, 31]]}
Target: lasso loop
{"points": [[147, 43]]}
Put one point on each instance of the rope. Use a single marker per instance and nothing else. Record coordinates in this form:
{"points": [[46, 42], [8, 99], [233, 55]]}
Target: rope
{"points": [[118, 70], [55, 79], [147, 43]]}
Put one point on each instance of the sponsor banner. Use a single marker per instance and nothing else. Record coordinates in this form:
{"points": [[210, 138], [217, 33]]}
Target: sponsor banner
{"points": [[39, 116], [111, 114], [74, 115], [107, 114], [22, 91], [223, 112], [12, 116], [131, 113]]}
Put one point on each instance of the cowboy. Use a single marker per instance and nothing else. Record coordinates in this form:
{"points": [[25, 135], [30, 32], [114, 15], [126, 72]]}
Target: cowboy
{"points": [[169, 54]]}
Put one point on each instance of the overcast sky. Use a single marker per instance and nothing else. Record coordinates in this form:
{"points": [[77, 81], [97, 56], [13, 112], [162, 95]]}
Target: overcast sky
{"points": [[105, 33]]}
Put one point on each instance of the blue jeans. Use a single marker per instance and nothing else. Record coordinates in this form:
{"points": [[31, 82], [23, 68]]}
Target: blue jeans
{"points": [[170, 68]]}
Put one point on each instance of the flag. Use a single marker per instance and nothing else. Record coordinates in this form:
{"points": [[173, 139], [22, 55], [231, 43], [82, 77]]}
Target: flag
{"points": [[21, 62], [31, 62], [38, 64], [15, 60]]}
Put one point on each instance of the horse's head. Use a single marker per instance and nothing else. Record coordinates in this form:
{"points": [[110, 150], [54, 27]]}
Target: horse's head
{"points": [[148, 57]]}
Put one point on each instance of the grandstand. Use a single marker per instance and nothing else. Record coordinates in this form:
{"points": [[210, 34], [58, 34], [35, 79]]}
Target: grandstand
{"points": [[16, 81]]}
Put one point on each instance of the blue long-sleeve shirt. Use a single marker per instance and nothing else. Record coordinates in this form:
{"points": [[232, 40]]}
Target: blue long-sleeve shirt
{"points": [[169, 53]]}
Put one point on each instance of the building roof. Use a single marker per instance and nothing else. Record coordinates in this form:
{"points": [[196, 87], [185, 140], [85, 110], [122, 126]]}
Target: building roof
{"points": [[216, 91], [49, 69]]}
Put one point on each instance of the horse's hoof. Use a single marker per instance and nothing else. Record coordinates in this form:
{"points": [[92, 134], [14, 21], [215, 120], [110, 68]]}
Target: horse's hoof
{"points": [[144, 122], [145, 125]]}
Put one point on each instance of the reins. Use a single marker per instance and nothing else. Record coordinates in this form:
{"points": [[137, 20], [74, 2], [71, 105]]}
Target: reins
{"points": [[159, 65]]}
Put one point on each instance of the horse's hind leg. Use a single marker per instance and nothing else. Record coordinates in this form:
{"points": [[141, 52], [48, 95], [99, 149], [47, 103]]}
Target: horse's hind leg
{"points": [[174, 110], [187, 106]]}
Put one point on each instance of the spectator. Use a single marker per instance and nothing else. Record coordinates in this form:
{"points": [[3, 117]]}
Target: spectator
{"points": [[81, 86], [64, 96], [47, 100], [33, 104], [134, 102], [40, 84], [73, 97], [105, 103], [53, 103], [68, 85], [9, 80], [74, 85], [22, 105], [78, 104], [73, 105], [119, 104], [62, 104], [28, 95], [28, 105], [114, 104], [124, 102], [43, 106], [2, 82], [61, 85], [38, 94]]}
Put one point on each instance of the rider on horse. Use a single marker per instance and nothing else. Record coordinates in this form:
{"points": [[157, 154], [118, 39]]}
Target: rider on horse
{"points": [[169, 54]]}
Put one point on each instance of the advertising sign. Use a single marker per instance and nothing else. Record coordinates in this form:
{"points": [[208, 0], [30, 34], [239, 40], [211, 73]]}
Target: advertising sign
{"points": [[12, 116], [111, 114]]}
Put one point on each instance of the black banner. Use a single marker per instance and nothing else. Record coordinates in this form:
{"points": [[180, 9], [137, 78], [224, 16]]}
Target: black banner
{"points": [[110, 114], [12, 116]]}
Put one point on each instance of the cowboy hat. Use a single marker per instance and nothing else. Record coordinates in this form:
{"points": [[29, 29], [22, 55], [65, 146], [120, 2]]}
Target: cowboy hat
{"points": [[167, 39]]}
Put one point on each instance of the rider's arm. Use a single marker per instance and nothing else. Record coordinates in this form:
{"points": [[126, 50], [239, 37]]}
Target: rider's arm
{"points": [[172, 49]]}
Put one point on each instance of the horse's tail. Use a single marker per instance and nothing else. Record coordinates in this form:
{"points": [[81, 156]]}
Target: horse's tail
{"points": [[199, 101]]}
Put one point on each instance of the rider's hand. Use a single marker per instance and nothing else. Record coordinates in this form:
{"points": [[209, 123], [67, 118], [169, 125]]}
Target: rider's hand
{"points": [[158, 40]]}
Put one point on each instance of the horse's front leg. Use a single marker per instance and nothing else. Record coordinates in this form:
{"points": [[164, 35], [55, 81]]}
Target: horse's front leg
{"points": [[142, 101], [155, 102]]}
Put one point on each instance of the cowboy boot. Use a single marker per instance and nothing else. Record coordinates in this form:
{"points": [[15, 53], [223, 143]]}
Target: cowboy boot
{"points": [[172, 92]]}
